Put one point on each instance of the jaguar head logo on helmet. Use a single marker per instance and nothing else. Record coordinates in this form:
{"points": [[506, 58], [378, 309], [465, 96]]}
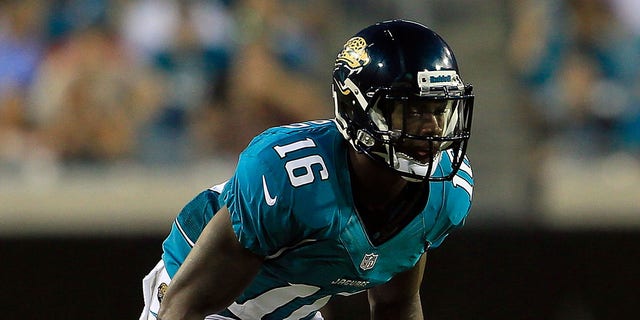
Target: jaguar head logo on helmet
{"points": [[400, 100], [354, 53]]}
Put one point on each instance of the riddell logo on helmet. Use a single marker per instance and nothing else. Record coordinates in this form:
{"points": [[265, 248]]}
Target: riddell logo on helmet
{"points": [[427, 79], [436, 79]]}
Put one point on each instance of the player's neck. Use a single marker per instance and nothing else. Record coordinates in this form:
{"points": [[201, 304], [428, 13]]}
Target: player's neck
{"points": [[384, 200], [371, 178]]}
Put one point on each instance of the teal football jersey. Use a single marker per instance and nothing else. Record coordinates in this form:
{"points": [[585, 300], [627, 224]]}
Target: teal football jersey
{"points": [[290, 201]]}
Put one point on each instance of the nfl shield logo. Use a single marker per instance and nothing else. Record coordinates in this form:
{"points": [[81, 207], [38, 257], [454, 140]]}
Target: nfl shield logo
{"points": [[368, 261]]}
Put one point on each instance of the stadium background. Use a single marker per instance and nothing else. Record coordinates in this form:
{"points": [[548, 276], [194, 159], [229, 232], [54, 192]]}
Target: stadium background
{"points": [[555, 228]]}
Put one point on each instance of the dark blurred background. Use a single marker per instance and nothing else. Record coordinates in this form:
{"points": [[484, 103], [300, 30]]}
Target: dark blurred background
{"points": [[113, 114]]}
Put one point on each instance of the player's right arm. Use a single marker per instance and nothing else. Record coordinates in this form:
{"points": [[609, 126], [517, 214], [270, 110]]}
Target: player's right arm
{"points": [[215, 272]]}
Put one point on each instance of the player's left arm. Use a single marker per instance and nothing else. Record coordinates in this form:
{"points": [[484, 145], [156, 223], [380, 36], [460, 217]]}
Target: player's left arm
{"points": [[400, 297]]}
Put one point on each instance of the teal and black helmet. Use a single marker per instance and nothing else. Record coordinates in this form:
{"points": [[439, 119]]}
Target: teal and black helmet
{"points": [[391, 74]]}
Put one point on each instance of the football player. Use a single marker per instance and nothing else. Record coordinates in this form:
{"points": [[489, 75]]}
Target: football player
{"points": [[337, 206]]}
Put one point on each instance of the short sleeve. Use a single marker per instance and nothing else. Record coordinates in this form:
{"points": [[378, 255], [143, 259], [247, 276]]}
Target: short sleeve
{"points": [[258, 200], [458, 195]]}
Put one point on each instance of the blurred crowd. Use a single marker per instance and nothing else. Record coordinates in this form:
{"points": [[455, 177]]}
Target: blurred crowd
{"points": [[172, 81], [578, 66], [153, 81]]}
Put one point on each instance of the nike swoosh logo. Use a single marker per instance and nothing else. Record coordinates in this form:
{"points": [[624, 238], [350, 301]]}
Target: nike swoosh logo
{"points": [[267, 197]]}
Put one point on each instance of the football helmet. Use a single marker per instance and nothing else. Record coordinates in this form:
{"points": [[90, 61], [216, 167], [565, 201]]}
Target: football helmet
{"points": [[400, 100]]}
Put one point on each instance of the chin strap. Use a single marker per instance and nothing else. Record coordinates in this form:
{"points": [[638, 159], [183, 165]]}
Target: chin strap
{"points": [[403, 163], [406, 164]]}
